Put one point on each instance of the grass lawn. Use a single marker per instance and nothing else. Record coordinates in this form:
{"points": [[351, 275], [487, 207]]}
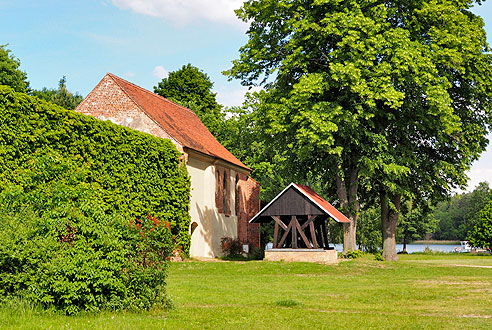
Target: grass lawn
{"points": [[418, 292]]}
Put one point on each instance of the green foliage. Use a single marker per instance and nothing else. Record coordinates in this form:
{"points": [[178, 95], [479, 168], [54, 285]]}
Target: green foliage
{"points": [[138, 173], [60, 96], [378, 256], [416, 220], [62, 248], [457, 215], [398, 93], [258, 253], [353, 254], [369, 229], [481, 234], [231, 247], [287, 303], [192, 88], [10, 74]]}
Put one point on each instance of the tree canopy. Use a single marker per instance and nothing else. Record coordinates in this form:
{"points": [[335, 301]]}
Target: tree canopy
{"points": [[10, 74], [392, 95], [192, 88], [60, 96]]}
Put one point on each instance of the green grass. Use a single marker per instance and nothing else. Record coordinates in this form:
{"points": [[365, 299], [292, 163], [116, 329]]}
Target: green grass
{"points": [[418, 292]]}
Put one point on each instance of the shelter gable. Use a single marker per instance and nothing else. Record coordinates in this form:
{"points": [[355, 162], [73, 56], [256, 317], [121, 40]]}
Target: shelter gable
{"points": [[291, 202]]}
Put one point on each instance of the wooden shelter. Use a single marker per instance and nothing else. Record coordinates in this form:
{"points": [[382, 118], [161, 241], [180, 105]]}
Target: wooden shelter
{"points": [[300, 216]]}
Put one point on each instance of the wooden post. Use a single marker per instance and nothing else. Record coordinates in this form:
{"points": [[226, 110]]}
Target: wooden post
{"points": [[275, 234], [284, 237], [303, 236], [319, 234], [325, 233], [313, 235], [293, 220]]}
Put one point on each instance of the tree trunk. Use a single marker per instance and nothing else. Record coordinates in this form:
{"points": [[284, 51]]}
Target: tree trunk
{"points": [[350, 206], [389, 220], [404, 245]]}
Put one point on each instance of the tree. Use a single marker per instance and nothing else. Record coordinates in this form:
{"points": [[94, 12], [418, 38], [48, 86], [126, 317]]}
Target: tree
{"points": [[397, 92], [416, 220], [192, 88], [457, 215], [10, 74], [481, 235], [60, 96]]}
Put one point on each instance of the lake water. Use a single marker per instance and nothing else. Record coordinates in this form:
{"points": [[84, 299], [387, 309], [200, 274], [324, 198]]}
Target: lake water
{"points": [[411, 248]]}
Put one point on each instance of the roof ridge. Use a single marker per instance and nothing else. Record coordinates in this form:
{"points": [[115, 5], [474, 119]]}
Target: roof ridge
{"points": [[112, 76], [152, 93]]}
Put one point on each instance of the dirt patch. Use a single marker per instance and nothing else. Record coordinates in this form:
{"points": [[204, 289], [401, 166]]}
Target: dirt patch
{"points": [[473, 266]]}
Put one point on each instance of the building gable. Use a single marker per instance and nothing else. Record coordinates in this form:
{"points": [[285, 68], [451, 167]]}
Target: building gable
{"points": [[108, 101]]}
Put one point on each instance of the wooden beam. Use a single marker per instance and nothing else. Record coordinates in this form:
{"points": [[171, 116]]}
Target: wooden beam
{"points": [[319, 232], [293, 227], [303, 236], [275, 233], [310, 219], [313, 235], [282, 240], [325, 232], [280, 222]]}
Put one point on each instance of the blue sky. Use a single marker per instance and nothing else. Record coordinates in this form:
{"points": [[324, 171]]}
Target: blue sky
{"points": [[140, 40]]}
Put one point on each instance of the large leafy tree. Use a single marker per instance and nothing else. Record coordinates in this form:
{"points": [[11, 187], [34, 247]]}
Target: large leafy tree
{"points": [[481, 234], [10, 74], [61, 96], [457, 215], [395, 92], [192, 88]]}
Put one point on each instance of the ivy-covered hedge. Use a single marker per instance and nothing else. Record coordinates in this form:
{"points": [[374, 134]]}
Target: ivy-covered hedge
{"points": [[60, 247], [139, 174]]}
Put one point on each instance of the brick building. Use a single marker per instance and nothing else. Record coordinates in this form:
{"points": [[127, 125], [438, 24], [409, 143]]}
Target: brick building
{"points": [[223, 196]]}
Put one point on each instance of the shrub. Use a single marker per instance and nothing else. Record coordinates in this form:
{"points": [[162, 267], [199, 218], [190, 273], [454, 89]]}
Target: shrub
{"points": [[257, 254], [378, 256], [231, 247], [138, 174], [61, 248], [354, 254]]}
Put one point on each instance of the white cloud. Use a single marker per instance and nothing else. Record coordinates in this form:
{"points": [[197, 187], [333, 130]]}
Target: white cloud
{"points": [[233, 96], [129, 74], [160, 73], [182, 12]]}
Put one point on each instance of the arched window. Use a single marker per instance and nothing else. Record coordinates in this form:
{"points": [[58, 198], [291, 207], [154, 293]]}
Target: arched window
{"points": [[193, 227]]}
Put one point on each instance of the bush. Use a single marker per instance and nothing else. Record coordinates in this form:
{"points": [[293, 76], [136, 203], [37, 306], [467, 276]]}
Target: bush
{"points": [[257, 254], [62, 249], [231, 247], [138, 174], [378, 256], [354, 254]]}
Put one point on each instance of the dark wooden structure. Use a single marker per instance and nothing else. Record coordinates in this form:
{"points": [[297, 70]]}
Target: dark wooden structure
{"points": [[300, 216]]}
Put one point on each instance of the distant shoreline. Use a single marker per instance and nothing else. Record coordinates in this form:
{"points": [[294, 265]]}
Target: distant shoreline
{"points": [[436, 242]]}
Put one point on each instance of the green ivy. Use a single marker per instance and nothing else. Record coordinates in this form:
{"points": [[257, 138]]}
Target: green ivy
{"points": [[60, 247], [138, 174]]}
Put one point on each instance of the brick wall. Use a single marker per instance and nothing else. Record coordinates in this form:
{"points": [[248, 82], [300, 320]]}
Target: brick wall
{"points": [[249, 204], [107, 101]]}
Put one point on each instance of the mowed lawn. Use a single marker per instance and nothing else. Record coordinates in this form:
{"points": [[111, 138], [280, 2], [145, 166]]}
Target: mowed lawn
{"points": [[418, 292]]}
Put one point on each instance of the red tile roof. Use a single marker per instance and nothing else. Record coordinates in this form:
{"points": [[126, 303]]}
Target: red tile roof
{"points": [[179, 122], [327, 207]]}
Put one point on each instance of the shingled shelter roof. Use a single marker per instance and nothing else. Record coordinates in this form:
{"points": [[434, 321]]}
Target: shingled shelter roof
{"points": [[298, 200], [179, 122]]}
